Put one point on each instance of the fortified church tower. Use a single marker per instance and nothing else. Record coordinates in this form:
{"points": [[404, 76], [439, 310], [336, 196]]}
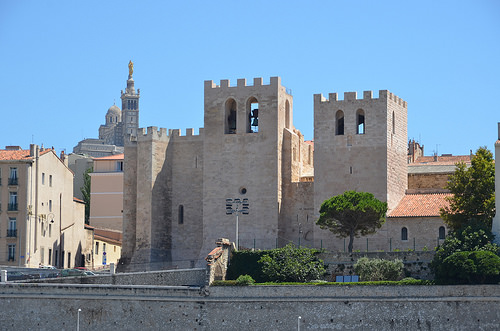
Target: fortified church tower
{"points": [[175, 186]]}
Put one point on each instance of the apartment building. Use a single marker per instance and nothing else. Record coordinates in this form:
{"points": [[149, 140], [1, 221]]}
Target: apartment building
{"points": [[40, 220]]}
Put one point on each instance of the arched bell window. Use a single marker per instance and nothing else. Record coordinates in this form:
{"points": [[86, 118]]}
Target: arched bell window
{"points": [[360, 121], [230, 117], [253, 115], [339, 123]]}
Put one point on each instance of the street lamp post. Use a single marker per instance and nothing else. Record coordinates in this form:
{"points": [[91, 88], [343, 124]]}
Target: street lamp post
{"points": [[241, 206], [78, 320]]}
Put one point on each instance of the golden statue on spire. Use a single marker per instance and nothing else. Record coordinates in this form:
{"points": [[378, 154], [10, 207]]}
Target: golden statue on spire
{"points": [[130, 68]]}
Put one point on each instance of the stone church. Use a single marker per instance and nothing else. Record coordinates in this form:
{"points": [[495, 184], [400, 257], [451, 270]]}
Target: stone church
{"points": [[176, 185]]}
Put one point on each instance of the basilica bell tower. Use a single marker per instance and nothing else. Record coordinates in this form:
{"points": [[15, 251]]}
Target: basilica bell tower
{"points": [[130, 107]]}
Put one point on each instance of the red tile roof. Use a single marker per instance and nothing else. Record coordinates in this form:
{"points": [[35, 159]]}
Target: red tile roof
{"points": [[108, 235], [441, 160], [17, 155], [420, 205]]}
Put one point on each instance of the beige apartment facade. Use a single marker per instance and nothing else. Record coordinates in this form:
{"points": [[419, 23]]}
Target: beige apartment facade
{"points": [[40, 221], [106, 193]]}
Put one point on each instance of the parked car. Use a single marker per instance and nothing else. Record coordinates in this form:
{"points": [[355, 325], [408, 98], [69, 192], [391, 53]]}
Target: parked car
{"points": [[72, 272]]}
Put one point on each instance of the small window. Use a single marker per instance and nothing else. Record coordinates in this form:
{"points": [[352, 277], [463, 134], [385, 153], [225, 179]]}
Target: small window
{"points": [[13, 176], [97, 248], [119, 166], [42, 255], [50, 180], [360, 121], [12, 252], [393, 123], [50, 256], [339, 120], [50, 205], [181, 214], [442, 232], [12, 229], [69, 259], [43, 178], [404, 234], [12, 201]]}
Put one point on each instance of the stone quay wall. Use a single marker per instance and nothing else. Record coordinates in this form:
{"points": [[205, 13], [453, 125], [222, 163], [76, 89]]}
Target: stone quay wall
{"points": [[130, 307], [176, 277]]}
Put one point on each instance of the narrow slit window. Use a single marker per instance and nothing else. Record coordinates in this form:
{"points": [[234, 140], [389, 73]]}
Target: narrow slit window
{"points": [[181, 214], [393, 123]]}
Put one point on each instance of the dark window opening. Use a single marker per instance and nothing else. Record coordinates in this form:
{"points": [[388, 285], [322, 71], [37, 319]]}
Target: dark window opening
{"points": [[393, 123], [442, 232], [181, 214], [254, 117], [404, 234], [360, 122], [231, 116], [339, 119]]}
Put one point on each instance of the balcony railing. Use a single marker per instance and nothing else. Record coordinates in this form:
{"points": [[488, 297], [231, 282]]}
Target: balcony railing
{"points": [[12, 233], [12, 207], [13, 181]]}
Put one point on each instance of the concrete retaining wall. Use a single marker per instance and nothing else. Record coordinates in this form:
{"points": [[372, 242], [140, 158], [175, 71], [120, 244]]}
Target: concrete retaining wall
{"points": [[127, 307]]}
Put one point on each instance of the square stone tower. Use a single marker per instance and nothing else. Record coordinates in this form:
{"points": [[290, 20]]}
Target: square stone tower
{"points": [[361, 145], [242, 158]]}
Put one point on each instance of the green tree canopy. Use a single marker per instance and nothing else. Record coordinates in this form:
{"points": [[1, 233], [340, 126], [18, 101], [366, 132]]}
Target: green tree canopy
{"points": [[85, 189], [352, 214], [473, 191]]}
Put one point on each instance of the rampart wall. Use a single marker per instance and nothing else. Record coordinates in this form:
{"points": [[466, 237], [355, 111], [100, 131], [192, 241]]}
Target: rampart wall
{"points": [[105, 307]]}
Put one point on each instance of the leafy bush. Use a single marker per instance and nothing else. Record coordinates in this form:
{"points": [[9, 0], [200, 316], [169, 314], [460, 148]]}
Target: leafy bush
{"points": [[292, 264], [245, 280], [477, 267], [378, 269], [473, 237], [246, 263]]}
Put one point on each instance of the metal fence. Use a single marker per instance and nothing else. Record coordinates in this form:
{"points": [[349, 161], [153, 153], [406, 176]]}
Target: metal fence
{"points": [[341, 245]]}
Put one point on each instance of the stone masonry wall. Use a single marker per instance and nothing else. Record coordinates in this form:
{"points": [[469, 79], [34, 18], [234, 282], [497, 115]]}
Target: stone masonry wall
{"points": [[56, 307], [416, 264]]}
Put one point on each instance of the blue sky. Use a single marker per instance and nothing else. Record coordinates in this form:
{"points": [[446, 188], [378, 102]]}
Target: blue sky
{"points": [[63, 63]]}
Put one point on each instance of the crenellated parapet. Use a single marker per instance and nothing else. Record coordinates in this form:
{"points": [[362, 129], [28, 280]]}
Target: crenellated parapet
{"points": [[163, 134], [225, 83], [367, 95]]}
